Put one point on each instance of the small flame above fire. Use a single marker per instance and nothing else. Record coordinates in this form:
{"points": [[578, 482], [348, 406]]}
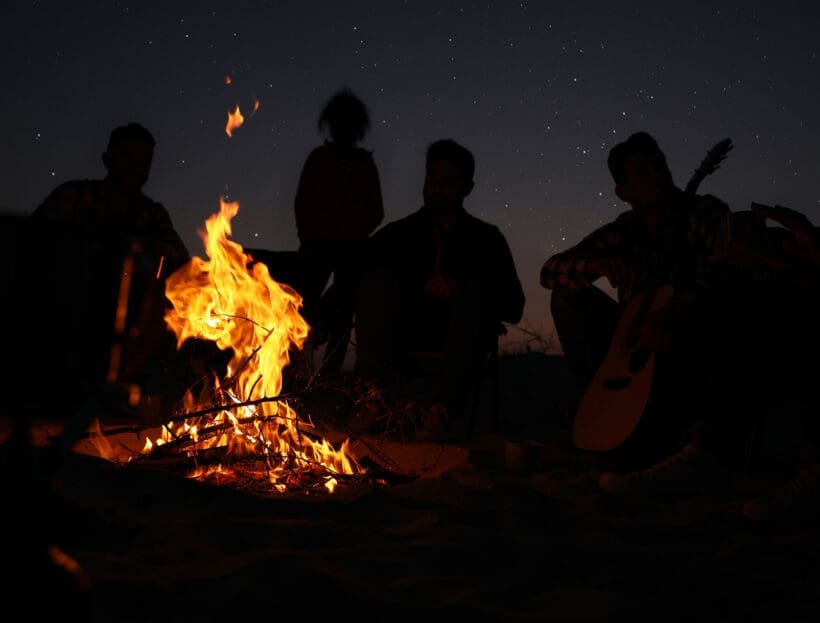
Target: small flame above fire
{"points": [[234, 302], [235, 120]]}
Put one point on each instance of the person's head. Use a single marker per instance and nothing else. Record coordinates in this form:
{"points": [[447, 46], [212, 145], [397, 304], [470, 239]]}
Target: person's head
{"points": [[448, 175], [638, 166], [346, 118], [128, 157]]}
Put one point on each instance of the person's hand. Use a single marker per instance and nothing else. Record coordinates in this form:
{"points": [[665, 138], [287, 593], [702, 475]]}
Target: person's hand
{"points": [[805, 243], [439, 287], [745, 256], [617, 270], [663, 325], [796, 222]]}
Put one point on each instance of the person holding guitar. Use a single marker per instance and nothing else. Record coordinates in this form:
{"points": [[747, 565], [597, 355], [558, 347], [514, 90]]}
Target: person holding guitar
{"points": [[658, 256]]}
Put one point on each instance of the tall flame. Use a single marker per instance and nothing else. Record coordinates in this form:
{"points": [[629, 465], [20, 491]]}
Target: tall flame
{"points": [[234, 302]]}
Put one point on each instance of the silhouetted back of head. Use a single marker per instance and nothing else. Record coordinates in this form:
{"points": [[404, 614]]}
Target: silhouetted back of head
{"points": [[637, 143], [346, 117], [448, 149], [129, 133]]}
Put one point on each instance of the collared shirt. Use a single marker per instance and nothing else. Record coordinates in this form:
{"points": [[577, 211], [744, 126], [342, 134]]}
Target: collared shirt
{"points": [[679, 252]]}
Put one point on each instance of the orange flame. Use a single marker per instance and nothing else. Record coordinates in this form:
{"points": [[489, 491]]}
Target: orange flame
{"points": [[228, 80], [234, 302], [255, 106], [235, 120]]}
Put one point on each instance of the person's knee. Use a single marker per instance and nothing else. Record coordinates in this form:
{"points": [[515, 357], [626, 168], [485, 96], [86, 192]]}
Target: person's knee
{"points": [[563, 300]]}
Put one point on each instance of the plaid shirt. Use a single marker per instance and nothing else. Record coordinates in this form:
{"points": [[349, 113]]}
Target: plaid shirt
{"points": [[678, 253], [92, 209]]}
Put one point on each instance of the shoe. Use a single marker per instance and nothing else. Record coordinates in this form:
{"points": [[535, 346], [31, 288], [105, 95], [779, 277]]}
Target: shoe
{"points": [[686, 472], [794, 502]]}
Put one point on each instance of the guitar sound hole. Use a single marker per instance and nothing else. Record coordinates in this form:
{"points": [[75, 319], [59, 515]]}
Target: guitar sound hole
{"points": [[617, 383], [638, 360]]}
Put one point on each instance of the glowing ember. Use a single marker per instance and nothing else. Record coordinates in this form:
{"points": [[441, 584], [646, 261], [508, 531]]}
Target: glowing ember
{"points": [[233, 301], [235, 120]]}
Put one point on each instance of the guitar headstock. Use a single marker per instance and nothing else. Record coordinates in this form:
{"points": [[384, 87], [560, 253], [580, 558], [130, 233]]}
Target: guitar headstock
{"points": [[710, 163]]}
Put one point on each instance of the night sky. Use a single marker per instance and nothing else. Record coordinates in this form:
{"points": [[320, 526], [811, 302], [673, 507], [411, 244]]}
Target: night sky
{"points": [[538, 91]]}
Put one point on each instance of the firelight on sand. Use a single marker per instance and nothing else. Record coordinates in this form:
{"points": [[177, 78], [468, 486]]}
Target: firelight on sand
{"points": [[233, 301]]}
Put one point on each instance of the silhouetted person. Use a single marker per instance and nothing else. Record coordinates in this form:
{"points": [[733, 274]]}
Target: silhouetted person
{"points": [[338, 205], [667, 237], [112, 249], [785, 258], [720, 365], [438, 279], [88, 307], [764, 352]]}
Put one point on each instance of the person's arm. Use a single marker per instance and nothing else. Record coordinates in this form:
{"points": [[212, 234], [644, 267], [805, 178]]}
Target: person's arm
{"points": [[511, 292], [59, 206], [599, 254], [498, 277], [307, 196], [168, 241], [374, 207], [806, 239]]}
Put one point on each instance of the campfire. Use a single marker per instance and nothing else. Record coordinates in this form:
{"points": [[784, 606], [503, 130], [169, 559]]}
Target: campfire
{"points": [[242, 426]]}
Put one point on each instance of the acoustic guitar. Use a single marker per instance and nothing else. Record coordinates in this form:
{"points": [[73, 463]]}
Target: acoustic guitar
{"points": [[615, 400]]}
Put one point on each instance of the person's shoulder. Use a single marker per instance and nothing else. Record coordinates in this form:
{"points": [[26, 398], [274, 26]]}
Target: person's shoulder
{"points": [[362, 154], [477, 222], [155, 205], [623, 218], [408, 220], [68, 196], [413, 220], [77, 186], [709, 206], [709, 200], [151, 205], [321, 152], [481, 228]]}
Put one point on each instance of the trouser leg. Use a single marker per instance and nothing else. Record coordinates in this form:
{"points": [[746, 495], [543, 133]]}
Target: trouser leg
{"points": [[585, 320], [339, 302], [470, 334], [315, 268], [382, 312]]}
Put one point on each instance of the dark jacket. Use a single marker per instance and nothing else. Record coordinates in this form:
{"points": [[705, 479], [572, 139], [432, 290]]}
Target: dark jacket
{"points": [[473, 250]]}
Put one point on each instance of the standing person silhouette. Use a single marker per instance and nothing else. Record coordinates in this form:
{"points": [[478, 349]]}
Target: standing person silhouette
{"points": [[338, 204]]}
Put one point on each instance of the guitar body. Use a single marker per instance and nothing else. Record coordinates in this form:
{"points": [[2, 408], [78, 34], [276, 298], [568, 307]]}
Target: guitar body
{"points": [[617, 396]]}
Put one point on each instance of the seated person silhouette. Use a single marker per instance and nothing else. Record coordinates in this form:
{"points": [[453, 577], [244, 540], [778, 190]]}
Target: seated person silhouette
{"points": [[107, 248], [437, 279], [667, 238]]}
